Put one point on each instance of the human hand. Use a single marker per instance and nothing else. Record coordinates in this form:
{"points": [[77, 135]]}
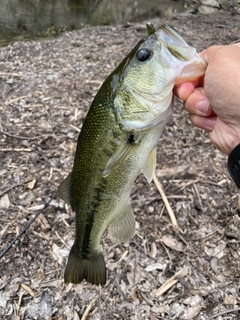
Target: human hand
{"points": [[213, 103]]}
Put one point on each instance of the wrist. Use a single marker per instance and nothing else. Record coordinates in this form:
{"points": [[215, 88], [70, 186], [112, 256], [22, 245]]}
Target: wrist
{"points": [[233, 165], [233, 139]]}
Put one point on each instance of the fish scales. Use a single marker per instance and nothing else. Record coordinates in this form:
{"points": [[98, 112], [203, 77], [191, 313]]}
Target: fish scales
{"points": [[117, 141]]}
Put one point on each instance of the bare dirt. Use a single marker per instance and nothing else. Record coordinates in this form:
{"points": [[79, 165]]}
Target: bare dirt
{"points": [[46, 89]]}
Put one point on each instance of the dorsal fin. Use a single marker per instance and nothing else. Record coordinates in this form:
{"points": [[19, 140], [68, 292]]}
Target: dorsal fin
{"points": [[150, 28]]}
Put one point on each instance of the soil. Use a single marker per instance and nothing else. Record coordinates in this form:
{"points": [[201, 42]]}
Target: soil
{"points": [[46, 89]]}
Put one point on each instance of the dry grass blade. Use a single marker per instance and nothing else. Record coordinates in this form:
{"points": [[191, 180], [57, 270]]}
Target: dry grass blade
{"points": [[165, 200]]}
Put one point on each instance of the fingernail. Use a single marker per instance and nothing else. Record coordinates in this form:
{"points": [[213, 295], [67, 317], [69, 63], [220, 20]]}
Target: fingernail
{"points": [[202, 106]]}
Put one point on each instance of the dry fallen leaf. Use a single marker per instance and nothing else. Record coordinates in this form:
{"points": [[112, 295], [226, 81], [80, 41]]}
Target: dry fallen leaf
{"points": [[45, 307], [52, 75], [217, 251], [191, 312], [230, 300], [172, 243], [32, 184], [4, 202], [155, 266], [56, 253]]}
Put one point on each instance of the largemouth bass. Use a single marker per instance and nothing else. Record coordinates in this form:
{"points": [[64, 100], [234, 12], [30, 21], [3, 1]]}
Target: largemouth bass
{"points": [[118, 139]]}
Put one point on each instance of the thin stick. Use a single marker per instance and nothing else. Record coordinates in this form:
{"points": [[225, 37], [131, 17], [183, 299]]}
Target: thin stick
{"points": [[165, 200], [4, 74], [14, 186], [15, 100], [86, 312], [225, 312], [46, 135], [16, 150], [63, 242], [168, 284], [26, 227], [198, 195]]}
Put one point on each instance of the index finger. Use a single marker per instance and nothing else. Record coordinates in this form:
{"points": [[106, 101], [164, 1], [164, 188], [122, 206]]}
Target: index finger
{"points": [[184, 90]]}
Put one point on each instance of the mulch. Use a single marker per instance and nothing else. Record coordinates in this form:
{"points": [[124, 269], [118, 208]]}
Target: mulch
{"points": [[161, 273]]}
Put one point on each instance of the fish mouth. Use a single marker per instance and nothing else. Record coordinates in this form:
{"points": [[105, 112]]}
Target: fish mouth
{"points": [[168, 35], [174, 47], [176, 52]]}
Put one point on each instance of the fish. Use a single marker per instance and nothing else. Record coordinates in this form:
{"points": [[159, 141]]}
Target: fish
{"points": [[118, 140]]}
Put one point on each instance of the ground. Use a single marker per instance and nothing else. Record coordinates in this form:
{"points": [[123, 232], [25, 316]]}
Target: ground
{"points": [[46, 89]]}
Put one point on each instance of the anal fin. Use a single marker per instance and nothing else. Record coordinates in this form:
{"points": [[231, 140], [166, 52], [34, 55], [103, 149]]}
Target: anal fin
{"points": [[123, 228]]}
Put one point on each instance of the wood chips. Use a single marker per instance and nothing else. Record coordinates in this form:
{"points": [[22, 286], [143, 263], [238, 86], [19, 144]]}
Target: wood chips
{"points": [[187, 272]]}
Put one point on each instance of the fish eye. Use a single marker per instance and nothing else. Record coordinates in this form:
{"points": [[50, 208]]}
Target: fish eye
{"points": [[144, 54]]}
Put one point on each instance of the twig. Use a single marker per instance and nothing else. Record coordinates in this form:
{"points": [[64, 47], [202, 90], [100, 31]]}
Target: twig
{"points": [[191, 217], [14, 186], [208, 182], [168, 254], [210, 235], [123, 256], [165, 200], [198, 195], [20, 301], [19, 137], [27, 226], [63, 241], [224, 312], [181, 237], [16, 99], [75, 128], [16, 150], [168, 284], [188, 184], [86, 312], [5, 74], [178, 172]]}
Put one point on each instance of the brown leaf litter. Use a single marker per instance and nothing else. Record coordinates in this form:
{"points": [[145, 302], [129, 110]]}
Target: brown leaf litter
{"points": [[162, 272]]}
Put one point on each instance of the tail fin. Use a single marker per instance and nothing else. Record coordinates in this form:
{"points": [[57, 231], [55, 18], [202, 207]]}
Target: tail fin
{"points": [[92, 268]]}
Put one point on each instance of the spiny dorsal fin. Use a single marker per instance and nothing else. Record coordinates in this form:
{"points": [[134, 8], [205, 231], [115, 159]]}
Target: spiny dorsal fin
{"points": [[63, 191], [150, 28], [150, 166]]}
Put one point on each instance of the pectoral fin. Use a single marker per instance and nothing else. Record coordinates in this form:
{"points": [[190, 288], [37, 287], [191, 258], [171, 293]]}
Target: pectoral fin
{"points": [[63, 190], [118, 157], [150, 166], [123, 227]]}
